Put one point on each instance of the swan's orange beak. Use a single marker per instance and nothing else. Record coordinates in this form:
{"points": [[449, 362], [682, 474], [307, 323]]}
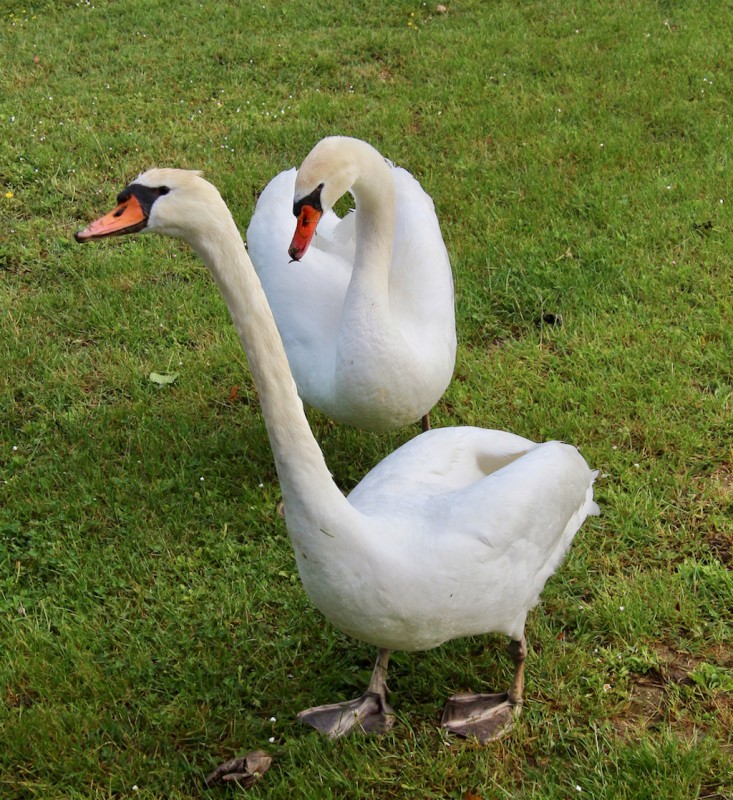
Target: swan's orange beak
{"points": [[128, 217], [305, 228]]}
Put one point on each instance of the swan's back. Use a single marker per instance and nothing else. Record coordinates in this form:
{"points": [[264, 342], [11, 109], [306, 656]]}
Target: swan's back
{"points": [[474, 523]]}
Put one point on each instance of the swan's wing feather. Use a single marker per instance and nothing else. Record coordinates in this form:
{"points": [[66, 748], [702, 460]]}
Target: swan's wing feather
{"points": [[342, 236], [532, 509], [441, 460], [421, 280], [478, 520]]}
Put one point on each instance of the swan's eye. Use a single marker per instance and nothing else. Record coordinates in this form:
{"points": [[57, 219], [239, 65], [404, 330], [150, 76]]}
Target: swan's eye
{"points": [[313, 200], [163, 190]]}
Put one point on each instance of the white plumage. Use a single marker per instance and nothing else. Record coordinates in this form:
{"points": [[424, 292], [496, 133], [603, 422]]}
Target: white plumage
{"points": [[367, 314], [453, 534]]}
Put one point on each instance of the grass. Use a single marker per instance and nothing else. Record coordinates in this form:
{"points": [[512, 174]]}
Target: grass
{"points": [[151, 619]]}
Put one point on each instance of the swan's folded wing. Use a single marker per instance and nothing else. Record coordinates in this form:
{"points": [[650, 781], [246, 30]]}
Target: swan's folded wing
{"points": [[433, 464], [477, 522], [337, 236], [421, 280], [526, 513]]}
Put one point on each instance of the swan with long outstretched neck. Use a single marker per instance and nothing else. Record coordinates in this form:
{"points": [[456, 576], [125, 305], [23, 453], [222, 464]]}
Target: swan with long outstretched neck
{"points": [[367, 315], [453, 534]]}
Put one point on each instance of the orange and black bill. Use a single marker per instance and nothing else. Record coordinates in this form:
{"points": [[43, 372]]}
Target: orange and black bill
{"points": [[309, 211], [304, 231], [128, 217]]}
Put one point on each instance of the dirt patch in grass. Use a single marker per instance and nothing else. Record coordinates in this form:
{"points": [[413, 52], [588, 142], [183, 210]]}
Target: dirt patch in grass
{"points": [[646, 704], [718, 485], [20, 697], [675, 667]]}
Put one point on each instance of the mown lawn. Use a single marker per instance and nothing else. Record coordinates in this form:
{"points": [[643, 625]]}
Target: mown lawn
{"points": [[151, 620]]}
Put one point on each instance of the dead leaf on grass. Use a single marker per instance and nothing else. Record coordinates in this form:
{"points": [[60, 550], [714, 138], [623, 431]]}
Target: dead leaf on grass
{"points": [[244, 770], [163, 379]]}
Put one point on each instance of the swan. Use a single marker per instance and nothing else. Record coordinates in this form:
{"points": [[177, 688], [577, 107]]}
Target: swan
{"points": [[454, 534], [367, 316]]}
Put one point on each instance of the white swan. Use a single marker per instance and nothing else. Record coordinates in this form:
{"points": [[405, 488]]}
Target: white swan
{"points": [[453, 534], [367, 316]]}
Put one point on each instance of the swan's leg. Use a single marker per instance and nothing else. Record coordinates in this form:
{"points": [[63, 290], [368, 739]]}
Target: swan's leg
{"points": [[425, 423], [488, 716], [369, 713]]}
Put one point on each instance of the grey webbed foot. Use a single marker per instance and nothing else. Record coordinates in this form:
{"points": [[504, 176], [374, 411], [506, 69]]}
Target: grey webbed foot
{"points": [[486, 716], [369, 713]]}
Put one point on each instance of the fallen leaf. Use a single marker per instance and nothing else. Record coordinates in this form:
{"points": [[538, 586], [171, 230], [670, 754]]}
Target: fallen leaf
{"points": [[163, 378], [244, 770], [233, 393]]}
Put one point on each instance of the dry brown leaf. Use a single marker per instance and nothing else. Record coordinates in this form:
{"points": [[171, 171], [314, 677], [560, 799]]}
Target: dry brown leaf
{"points": [[244, 770]]}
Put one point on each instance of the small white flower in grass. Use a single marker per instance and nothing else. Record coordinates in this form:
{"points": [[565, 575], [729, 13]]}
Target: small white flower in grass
{"points": [[621, 608], [607, 687], [15, 447], [273, 719], [201, 478], [578, 789], [134, 788], [271, 739]]}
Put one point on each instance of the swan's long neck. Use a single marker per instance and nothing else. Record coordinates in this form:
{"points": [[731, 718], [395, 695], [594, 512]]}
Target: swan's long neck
{"points": [[304, 476], [375, 218]]}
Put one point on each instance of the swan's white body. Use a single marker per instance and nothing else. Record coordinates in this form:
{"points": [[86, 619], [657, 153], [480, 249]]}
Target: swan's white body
{"points": [[453, 534], [367, 314]]}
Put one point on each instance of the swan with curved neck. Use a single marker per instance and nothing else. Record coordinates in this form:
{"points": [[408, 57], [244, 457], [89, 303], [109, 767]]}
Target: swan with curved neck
{"points": [[453, 534], [367, 315]]}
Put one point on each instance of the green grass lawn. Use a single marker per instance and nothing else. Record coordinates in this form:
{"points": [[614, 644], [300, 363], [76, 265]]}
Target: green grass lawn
{"points": [[152, 622]]}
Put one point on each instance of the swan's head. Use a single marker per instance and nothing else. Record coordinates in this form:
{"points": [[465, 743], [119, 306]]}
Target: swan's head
{"points": [[174, 202], [330, 169]]}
